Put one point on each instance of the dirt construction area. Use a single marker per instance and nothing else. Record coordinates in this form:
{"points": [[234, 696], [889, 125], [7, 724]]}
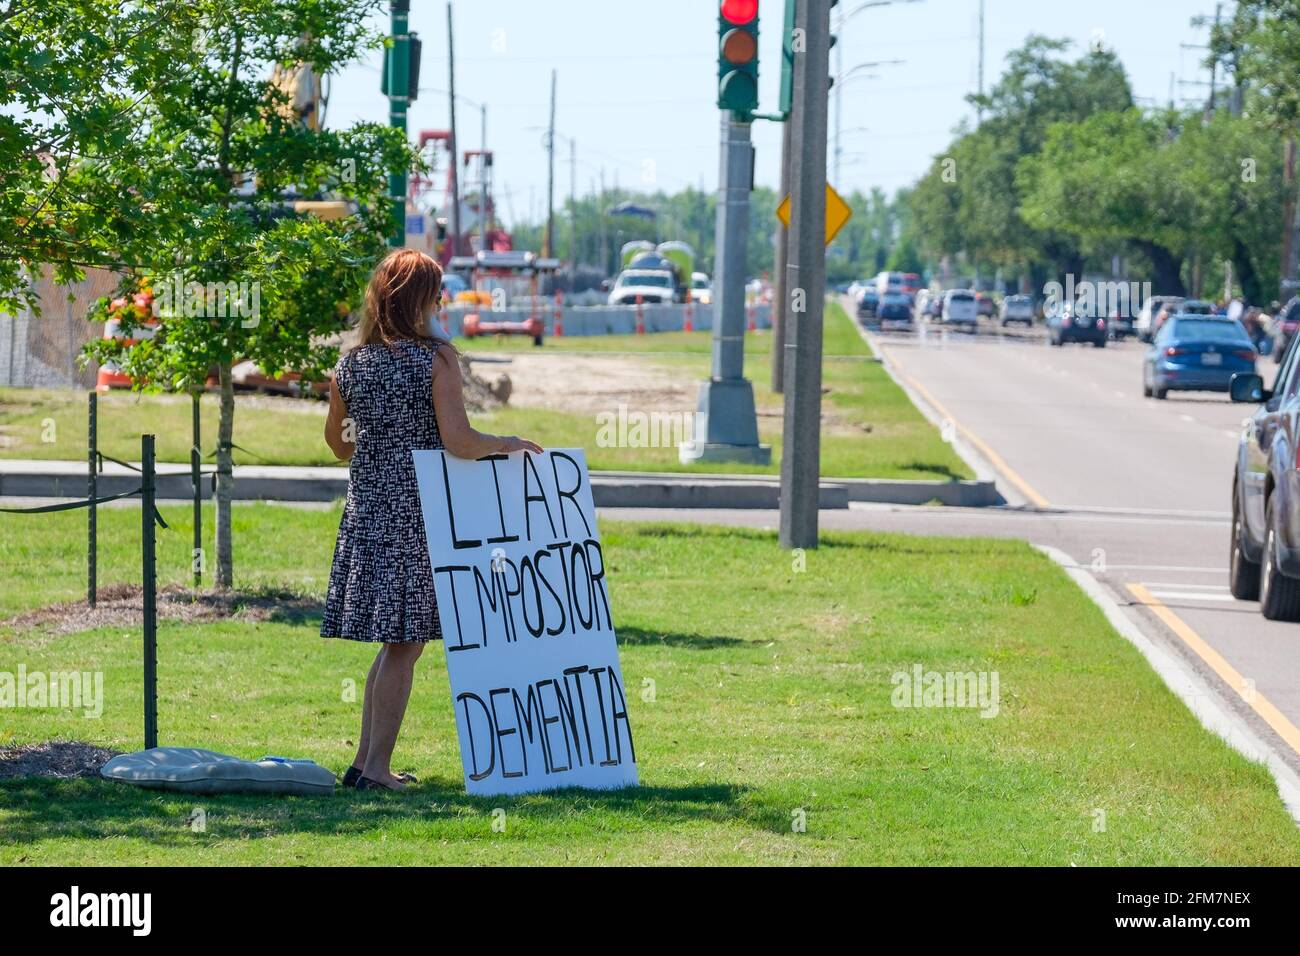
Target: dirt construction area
{"points": [[587, 384]]}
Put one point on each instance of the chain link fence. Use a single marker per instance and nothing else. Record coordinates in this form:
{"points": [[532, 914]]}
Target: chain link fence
{"points": [[42, 350]]}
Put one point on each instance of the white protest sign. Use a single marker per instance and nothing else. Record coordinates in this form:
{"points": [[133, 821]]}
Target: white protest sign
{"points": [[523, 602]]}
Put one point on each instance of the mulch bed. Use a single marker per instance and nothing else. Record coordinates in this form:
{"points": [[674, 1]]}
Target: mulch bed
{"points": [[62, 759], [120, 605]]}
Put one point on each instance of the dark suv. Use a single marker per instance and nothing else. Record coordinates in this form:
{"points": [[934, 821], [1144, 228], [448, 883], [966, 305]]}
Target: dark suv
{"points": [[1264, 558]]}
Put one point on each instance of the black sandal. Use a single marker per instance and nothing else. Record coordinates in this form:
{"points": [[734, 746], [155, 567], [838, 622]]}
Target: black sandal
{"points": [[353, 774], [365, 783]]}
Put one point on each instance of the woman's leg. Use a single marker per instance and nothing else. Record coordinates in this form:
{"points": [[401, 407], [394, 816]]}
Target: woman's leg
{"points": [[392, 690], [367, 706]]}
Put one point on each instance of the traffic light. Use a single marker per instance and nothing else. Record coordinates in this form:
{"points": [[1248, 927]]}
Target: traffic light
{"points": [[738, 56]]}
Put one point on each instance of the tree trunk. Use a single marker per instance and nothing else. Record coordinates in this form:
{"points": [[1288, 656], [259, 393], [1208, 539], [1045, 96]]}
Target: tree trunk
{"points": [[225, 478], [1247, 275], [1168, 268]]}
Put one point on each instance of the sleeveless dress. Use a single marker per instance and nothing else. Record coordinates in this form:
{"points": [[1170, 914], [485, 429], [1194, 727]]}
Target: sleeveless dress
{"points": [[381, 583]]}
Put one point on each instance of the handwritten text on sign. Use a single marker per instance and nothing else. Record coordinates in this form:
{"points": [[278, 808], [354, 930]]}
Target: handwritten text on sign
{"points": [[523, 602]]}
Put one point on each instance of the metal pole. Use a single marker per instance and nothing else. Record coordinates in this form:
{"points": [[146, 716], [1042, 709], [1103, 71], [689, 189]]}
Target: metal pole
{"points": [[839, 103], [399, 84], [573, 213], [196, 464], [453, 147], [781, 300], [548, 247], [482, 178], [726, 425], [150, 592], [92, 492], [806, 278]]}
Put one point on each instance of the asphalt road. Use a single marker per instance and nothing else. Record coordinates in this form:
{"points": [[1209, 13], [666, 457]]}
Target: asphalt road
{"points": [[1134, 489]]}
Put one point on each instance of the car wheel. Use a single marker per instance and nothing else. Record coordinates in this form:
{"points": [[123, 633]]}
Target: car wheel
{"points": [[1243, 574], [1146, 389], [1100, 343], [1279, 596]]}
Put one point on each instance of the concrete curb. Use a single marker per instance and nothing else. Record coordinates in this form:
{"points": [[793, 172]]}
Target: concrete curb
{"points": [[612, 489], [1188, 686]]}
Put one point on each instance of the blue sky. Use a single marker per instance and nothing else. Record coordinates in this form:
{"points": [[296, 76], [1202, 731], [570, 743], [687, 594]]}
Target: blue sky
{"points": [[636, 82]]}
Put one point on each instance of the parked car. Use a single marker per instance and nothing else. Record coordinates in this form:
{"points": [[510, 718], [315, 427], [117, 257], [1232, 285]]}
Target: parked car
{"points": [[1017, 308], [959, 309], [1065, 323], [894, 308], [868, 302], [701, 288], [1197, 353], [1145, 325], [651, 285], [984, 305], [1264, 547]]}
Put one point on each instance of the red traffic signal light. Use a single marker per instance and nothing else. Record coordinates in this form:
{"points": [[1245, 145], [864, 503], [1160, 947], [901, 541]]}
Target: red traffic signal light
{"points": [[738, 56], [739, 12]]}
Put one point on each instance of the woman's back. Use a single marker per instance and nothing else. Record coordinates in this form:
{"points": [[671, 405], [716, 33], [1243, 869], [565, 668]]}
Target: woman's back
{"points": [[388, 393]]}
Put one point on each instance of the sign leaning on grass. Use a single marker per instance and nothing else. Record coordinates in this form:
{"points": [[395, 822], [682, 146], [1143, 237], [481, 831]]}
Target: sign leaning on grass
{"points": [[523, 602]]}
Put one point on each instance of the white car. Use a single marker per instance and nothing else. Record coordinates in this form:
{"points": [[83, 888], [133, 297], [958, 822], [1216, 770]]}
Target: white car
{"points": [[960, 308], [701, 288], [1017, 308], [652, 285], [1145, 323]]}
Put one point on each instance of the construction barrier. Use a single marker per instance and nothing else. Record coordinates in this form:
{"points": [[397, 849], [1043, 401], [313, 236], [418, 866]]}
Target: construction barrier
{"points": [[610, 319]]}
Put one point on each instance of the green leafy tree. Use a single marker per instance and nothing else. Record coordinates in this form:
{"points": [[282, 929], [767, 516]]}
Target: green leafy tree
{"points": [[219, 158], [73, 77]]}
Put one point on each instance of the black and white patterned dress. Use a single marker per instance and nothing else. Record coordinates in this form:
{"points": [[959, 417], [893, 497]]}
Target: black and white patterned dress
{"points": [[381, 583]]}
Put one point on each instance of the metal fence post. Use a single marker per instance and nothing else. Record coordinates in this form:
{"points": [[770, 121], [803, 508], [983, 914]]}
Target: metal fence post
{"points": [[92, 492], [196, 463], [150, 592]]}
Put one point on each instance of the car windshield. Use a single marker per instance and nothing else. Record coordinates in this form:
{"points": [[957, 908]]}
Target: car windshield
{"points": [[1209, 330], [660, 279], [701, 284]]}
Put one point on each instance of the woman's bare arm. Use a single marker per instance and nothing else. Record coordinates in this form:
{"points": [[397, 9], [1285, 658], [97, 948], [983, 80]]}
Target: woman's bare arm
{"points": [[335, 423], [459, 437]]}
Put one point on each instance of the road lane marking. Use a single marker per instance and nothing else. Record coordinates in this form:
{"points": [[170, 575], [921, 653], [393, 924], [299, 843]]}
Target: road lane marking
{"points": [[1191, 596], [1197, 644], [994, 458], [1175, 585]]}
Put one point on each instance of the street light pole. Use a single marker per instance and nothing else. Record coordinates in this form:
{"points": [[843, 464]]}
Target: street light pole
{"points": [[398, 82]]}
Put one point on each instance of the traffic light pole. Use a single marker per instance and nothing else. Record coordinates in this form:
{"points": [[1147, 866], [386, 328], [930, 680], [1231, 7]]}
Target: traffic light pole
{"points": [[805, 281], [399, 82], [726, 425], [782, 295]]}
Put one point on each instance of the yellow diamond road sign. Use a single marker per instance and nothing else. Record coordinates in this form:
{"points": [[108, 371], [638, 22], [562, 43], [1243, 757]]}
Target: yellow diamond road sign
{"points": [[837, 213]]}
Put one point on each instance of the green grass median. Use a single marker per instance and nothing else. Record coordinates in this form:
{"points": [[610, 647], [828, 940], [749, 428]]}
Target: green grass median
{"points": [[870, 429], [762, 698]]}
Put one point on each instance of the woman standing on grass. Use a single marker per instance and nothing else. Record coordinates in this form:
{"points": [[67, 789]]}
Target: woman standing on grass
{"points": [[398, 390]]}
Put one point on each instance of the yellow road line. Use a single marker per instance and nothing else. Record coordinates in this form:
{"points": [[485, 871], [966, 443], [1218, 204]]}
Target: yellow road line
{"points": [[996, 460], [1257, 701]]}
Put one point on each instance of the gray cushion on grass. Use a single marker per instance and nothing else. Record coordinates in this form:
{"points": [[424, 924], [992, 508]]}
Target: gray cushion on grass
{"points": [[191, 770]]}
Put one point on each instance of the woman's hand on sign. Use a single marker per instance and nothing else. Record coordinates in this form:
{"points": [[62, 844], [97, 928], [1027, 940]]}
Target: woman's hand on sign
{"points": [[511, 443]]}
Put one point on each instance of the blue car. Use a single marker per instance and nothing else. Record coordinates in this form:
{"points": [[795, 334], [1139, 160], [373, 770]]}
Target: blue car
{"points": [[1197, 353]]}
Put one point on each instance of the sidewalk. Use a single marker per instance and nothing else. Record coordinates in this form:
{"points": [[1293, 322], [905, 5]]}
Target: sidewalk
{"points": [[29, 478]]}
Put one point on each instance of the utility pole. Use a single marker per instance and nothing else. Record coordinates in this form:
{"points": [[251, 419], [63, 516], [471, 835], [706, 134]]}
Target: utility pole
{"points": [[398, 84], [979, 110], [548, 247], [573, 212], [483, 191], [806, 281], [454, 150], [781, 294]]}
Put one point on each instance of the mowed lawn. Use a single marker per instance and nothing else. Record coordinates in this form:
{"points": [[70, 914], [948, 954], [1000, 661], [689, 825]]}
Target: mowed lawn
{"points": [[876, 432], [760, 697]]}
